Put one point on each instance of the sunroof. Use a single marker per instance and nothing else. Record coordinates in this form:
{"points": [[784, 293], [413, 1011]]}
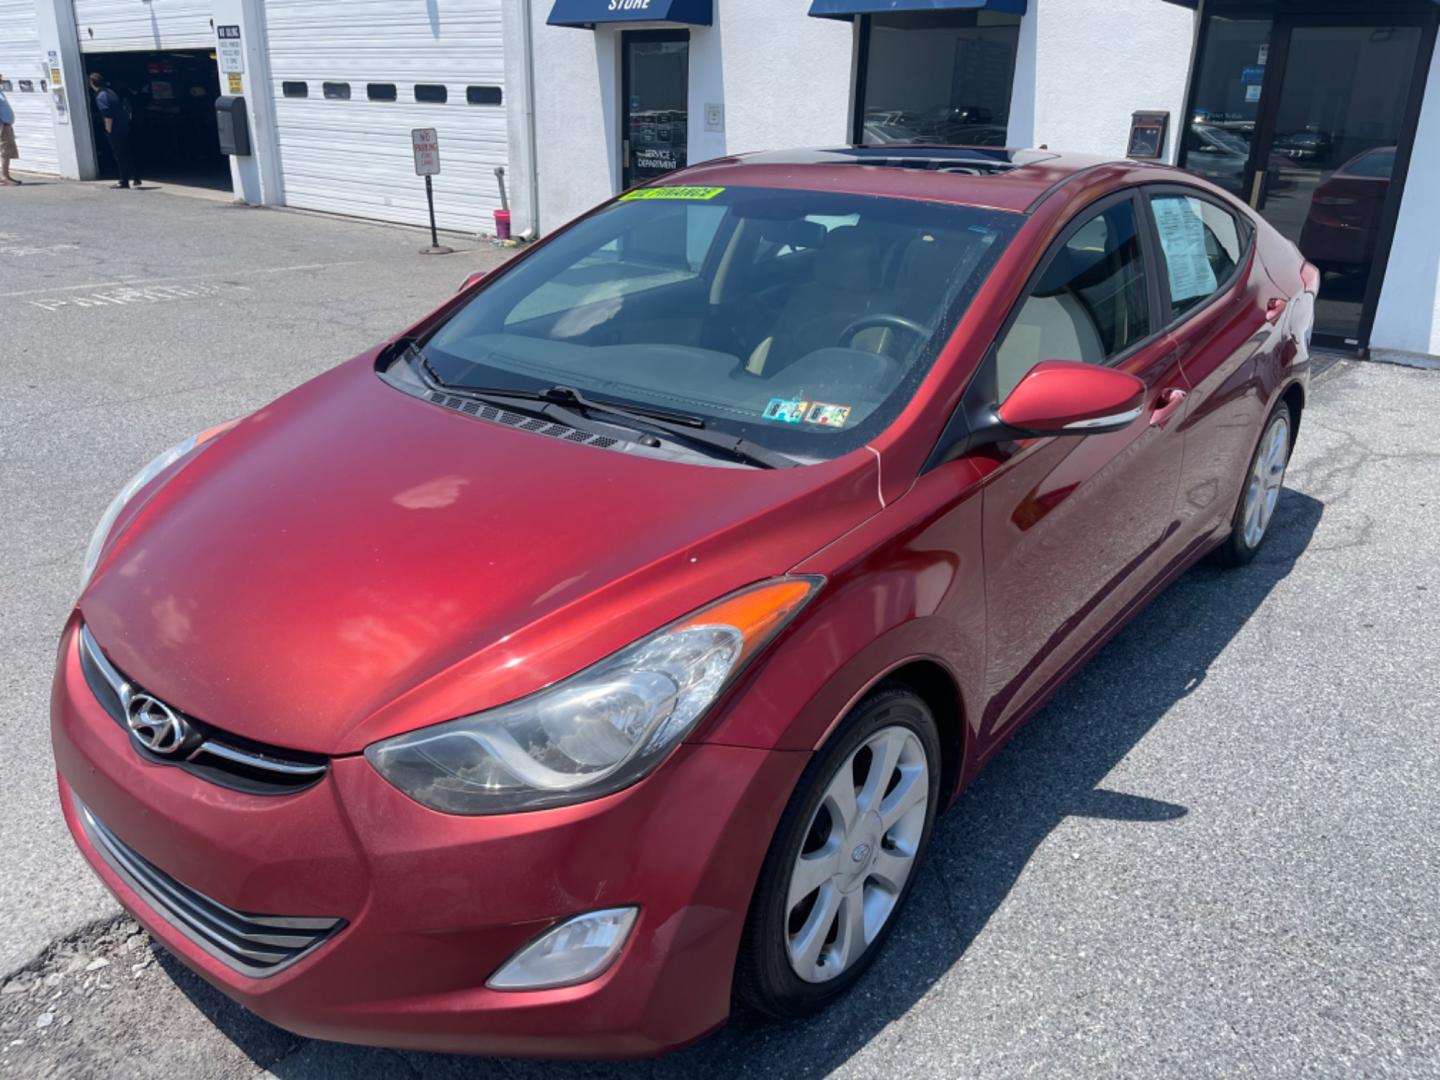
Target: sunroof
{"points": [[968, 160]]}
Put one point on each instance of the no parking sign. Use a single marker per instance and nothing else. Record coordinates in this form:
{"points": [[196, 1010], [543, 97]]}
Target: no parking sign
{"points": [[427, 151]]}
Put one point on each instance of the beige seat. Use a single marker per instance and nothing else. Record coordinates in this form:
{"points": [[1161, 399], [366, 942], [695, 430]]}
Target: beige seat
{"points": [[1056, 327], [817, 311]]}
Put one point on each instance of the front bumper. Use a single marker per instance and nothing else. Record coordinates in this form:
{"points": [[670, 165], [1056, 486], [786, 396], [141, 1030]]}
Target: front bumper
{"points": [[434, 904]]}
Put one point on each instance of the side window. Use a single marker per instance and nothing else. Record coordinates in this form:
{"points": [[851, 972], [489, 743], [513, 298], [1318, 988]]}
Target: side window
{"points": [[1090, 304], [1200, 244]]}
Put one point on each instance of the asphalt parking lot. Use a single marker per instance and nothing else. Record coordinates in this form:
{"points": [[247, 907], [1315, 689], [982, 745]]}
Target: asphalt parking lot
{"points": [[1213, 854]]}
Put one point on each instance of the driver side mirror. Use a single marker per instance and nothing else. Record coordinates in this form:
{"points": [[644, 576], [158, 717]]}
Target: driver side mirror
{"points": [[1067, 397]]}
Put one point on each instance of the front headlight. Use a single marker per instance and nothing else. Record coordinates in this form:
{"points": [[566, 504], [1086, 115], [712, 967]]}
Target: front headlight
{"points": [[138, 481], [595, 732]]}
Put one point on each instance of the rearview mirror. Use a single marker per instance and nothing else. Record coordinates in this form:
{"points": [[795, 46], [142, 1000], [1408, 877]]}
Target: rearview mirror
{"points": [[1066, 397], [471, 281]]}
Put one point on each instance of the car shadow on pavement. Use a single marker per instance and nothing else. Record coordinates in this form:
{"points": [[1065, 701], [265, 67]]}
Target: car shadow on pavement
{"points": [[1049, 772]]}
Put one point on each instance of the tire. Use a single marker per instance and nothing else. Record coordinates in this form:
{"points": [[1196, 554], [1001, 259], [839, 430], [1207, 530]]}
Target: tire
{"points": [[1260, 490], [833, 932]]}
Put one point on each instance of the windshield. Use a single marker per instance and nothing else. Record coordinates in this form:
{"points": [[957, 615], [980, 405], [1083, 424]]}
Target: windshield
{"points": [[801, 321]]}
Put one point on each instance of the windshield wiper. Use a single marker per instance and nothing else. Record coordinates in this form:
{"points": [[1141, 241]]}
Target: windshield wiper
{"points": [[561, 402], [680, 427]]}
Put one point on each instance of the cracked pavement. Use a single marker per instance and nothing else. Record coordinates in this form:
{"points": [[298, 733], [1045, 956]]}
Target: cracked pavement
{"points": [[1213, 853]]}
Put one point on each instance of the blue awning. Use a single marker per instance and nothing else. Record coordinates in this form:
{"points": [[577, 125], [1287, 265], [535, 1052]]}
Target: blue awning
{"points": [[587, 14], [848, 9]]}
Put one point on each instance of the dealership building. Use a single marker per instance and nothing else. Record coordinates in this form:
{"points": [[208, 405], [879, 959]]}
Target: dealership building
{"points": [[1322, 114]]}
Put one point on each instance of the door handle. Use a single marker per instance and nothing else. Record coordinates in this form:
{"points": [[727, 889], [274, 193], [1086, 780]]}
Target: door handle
{"points": [[1170, 400], [1274, 309]]}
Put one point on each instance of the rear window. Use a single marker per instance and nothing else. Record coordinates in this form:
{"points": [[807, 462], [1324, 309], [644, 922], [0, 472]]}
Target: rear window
{"points": [[801, 320]]}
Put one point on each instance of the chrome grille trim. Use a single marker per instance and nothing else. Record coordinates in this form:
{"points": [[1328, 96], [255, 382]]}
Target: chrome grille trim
{"points": [[118, 683], [257, 761], [286, 775], [253, 945]]}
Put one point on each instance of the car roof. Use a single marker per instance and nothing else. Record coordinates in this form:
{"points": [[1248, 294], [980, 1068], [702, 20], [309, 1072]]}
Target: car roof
{"points": [[1001, 179]]}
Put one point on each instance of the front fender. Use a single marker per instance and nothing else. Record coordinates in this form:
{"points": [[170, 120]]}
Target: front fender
{"points": [[906, 586]]}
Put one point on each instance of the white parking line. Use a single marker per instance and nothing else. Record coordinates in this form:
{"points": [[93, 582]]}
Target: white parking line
{"points": [[141, 294], [134, 283]]}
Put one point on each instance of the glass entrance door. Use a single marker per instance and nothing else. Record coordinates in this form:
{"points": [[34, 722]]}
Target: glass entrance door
{"points": [[655, 106], [1309, 120], [1336, 131]]}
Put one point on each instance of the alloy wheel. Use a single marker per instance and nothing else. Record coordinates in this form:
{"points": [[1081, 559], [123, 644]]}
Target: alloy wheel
{"points": [[858, 852], [1266, 478]]}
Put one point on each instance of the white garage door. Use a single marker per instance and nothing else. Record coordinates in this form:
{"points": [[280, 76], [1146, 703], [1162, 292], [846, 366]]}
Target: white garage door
{"points": [[22, 66], [143, 25], [353, 77]]}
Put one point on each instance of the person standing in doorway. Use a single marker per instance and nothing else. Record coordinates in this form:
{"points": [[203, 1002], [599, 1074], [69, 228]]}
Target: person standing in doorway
{"points": [[115, 113], [8, 150]]}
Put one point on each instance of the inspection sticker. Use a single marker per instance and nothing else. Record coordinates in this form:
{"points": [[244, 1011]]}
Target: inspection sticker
{"points": [[828, 415], [789, 412], [673, 193]]}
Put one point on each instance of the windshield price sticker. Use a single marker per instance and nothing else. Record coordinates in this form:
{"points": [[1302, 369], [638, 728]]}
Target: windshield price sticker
{"points": [[673, 193]]}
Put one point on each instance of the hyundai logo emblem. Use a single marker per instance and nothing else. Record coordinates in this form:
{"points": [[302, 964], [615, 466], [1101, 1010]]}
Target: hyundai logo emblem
{"points": [[861, 853], [156, 726]]}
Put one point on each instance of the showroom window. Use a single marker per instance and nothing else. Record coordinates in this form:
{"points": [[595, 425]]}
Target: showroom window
{"points": [[941, 77]]}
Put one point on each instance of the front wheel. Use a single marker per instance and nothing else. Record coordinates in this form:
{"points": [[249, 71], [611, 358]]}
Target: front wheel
{"points": [[1263, 482], [843, 859]]}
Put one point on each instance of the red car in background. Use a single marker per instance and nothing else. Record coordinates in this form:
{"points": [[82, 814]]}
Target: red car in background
{"points": [[601, 649], [1343, 226]]}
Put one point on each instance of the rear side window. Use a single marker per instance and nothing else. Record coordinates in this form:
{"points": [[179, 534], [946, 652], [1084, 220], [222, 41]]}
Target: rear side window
{"points": [[1200, 244], [1090, 304]]}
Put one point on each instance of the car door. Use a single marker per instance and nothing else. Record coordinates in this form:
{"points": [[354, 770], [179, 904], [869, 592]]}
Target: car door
{"points": [[1215, 294], [1071, 525]]}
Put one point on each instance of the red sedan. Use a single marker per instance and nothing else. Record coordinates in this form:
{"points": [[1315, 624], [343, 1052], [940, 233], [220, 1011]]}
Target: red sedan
{"points": [[601, 649]]}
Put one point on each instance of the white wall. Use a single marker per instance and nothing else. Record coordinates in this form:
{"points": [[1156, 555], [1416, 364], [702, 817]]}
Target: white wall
{"points": [[577, 84], [787, 76], [22, 57], [1095, 63], [1408, 317], [782, 77], [123, 25]]}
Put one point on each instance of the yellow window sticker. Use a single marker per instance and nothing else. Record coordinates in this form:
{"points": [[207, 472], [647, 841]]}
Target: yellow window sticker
{"points": [[673, 193]]}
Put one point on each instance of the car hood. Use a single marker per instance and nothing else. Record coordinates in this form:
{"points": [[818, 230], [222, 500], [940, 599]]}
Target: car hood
{"points": [[351, 562]]}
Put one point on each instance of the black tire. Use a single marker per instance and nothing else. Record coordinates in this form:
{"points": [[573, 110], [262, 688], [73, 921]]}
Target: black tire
{"points": [[765, 979], [1236, 550]]}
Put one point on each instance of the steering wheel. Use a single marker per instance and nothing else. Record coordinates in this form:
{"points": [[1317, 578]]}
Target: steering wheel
{"points": [[896, 322]]}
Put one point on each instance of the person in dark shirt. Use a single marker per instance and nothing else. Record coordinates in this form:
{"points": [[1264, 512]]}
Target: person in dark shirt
{"points": [[115, 112]]}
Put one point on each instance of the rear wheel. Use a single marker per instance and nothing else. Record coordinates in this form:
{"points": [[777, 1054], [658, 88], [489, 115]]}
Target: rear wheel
{"points": [[843, 859], [1263, 482]]}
